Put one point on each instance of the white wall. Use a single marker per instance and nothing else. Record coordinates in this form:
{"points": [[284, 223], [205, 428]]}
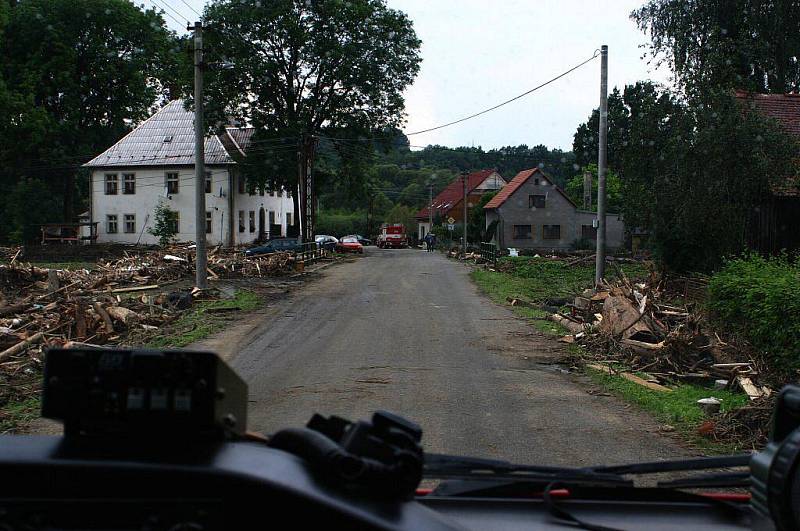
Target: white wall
{"points": [[151, 188]]}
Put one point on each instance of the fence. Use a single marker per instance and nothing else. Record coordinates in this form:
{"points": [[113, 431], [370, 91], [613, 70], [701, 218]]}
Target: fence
{"points": [[310, 252], [489, 252]]}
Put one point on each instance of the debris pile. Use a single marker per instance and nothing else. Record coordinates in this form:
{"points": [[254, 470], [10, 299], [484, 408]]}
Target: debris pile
{"points": [[117, 300], [649, 330]]}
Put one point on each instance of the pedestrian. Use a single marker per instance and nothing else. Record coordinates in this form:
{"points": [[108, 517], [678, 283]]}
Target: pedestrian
{"points": [[427, 239]]}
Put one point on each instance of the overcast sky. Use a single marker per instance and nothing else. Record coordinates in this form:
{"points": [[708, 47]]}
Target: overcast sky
{"points": [[477, 53]]}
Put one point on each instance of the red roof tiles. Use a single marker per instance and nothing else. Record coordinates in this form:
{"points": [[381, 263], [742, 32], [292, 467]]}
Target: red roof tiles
{"points": [[452, 195]]}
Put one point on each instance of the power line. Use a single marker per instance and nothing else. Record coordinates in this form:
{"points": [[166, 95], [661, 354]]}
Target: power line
{"points": [[187, 4], [181, 24]]}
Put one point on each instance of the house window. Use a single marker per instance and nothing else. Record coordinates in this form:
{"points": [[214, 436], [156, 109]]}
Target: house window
{"points": [[551, 232], [208, 182], [130, 223], [536, 201], [241, 221], [252, 221], [128, 183], [523, 232], [536, 181], [288, 219], [242, 184], [111, 223], [208, 222], [588, 232], [174, 222], [272, 218], [172, 182], [111, 184]]}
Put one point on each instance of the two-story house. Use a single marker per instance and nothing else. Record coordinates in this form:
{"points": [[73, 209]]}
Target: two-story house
{"points": [[450, 201], [531, 212], [154, 164]]}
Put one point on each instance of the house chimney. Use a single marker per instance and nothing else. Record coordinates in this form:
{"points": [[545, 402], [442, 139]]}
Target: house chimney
{"points": [[587, 190]]}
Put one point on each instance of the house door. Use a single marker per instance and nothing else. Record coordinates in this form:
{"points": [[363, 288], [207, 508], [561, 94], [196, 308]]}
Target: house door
{"points": [[262, 224]]}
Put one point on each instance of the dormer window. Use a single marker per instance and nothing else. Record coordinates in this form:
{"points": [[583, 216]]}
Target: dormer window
{"points": [[168, 139]]}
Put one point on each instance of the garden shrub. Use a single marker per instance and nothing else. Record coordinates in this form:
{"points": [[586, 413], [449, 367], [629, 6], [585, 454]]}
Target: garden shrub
{"points": [[759, 299]]}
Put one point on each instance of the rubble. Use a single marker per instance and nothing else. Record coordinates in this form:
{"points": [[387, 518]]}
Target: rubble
{"points": [[140, 291], [655, 333]]}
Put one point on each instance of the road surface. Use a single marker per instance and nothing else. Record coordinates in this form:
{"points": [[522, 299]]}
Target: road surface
{"points": [[407, 331]]}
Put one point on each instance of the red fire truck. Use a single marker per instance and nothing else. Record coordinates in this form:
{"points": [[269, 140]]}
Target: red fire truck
{"points": [[393, 235]]}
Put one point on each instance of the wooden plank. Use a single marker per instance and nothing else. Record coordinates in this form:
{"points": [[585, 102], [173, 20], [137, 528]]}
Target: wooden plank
{"points": [[22, 345], [630, 377], [134, 288], [749, 387]]}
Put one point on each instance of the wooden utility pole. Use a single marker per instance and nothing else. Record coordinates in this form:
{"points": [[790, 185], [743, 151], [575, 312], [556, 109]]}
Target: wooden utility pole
{"points": [[430, 206], [201, 256], [308, 145], [464, 176], [602, 161]]}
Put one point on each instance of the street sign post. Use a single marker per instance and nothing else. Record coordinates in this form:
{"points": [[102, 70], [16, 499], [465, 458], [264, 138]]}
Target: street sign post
{"points": [[450, 227]]}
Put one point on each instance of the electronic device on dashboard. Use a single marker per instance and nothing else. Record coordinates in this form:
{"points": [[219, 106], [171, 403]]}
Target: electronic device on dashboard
{"points": [[139, 393]]}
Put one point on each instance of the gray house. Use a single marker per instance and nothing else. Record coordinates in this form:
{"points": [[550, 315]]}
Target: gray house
{"points": [[533, 213]]}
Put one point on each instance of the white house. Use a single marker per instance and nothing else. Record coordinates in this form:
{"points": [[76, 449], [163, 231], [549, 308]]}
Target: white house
{"points": [[155, 163]]}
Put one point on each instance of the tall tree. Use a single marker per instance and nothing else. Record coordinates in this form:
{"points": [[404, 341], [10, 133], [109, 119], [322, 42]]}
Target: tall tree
{"points": [[80, 73], [309, 67], [585, 143], [748, 44]]}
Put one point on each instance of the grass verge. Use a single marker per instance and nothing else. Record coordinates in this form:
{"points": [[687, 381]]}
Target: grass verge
{"points": [[202, 320], [677, 408], [16, 415]]}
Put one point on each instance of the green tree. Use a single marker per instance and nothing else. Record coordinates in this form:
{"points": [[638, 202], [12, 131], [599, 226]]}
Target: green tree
{"points": [[402, 214], [614, 200], [77, 75], [723, 44], [585, 143], [165, 225], [476, 226], [335, 68]]}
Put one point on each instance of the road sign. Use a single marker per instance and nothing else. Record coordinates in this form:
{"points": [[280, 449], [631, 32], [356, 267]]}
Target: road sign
{"points": [[450, 221], [450, 226]]}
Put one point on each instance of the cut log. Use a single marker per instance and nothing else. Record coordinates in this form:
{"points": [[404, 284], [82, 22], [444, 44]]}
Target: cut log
{"points": [[566, 323], [104, 314], [21, 346], [52, 280], [621, 317], [122, 314]]}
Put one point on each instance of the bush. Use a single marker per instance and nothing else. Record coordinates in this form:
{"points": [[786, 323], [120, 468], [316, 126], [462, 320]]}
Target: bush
{"points": [[757, 298]]}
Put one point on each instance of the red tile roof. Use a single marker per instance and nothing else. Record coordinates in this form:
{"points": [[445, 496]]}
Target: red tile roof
{"points": [[452, 195], [509, 189], [785, 109]]}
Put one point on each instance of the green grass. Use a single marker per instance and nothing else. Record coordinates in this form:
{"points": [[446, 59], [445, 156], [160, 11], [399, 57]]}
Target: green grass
{"points": [[15, 415], [677, 408], [538, 279], [199, 323]]}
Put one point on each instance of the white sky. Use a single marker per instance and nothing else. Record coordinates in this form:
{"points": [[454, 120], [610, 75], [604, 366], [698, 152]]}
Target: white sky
{"points": [[477, 53]]}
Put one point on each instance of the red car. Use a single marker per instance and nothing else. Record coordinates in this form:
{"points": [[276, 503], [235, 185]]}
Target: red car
{"points": [[349, 245]]}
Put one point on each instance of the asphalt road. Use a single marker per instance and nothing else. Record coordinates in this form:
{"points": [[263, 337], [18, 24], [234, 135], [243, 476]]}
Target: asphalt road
{"points": [[407, 331]]}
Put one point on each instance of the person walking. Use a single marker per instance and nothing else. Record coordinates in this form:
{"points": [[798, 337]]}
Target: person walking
{"points": [[428, 242]]}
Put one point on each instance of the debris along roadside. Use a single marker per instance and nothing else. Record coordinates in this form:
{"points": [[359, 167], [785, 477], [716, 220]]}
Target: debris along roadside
{"points": [[127, 299], [649, 334]]}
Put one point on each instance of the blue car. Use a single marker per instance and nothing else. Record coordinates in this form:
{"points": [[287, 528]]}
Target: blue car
{"points": [[274, 246]]}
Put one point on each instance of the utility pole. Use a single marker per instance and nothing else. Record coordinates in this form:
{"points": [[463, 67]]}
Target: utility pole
{"points": [[201, 256], [430, 206], [464, 176], [307, 199], [602, 161]]}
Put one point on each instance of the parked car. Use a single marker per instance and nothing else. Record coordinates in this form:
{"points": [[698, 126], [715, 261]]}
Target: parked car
{"points": [[350, 244], [273, 246], [326, 242], [361, 239]]}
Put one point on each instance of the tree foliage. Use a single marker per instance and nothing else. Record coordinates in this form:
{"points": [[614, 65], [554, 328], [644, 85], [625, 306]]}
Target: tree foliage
{"points": [[722, 44], [75, 75], [335, 68], [614, 200], [165, 224]]}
